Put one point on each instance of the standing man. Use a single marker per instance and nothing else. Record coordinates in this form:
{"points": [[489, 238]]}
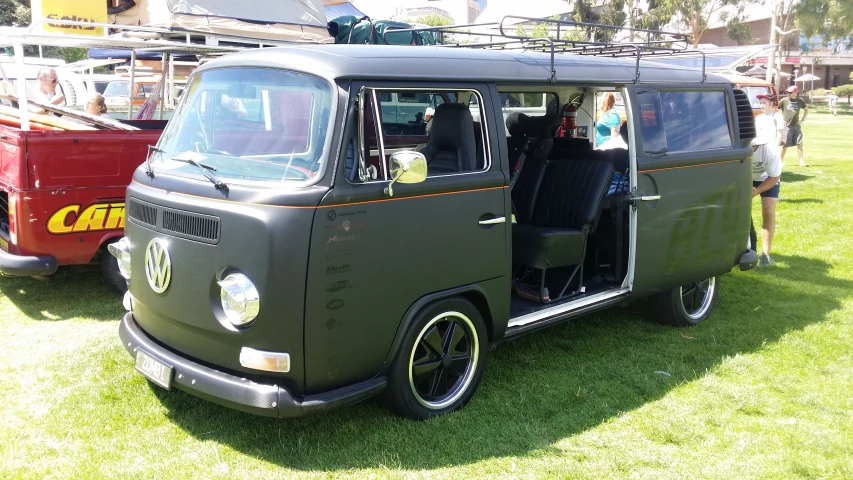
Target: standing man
{"points": [[790, 108]]}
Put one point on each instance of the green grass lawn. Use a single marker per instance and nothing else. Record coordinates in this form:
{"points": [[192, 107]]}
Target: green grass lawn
{"points": [[764, 389]]}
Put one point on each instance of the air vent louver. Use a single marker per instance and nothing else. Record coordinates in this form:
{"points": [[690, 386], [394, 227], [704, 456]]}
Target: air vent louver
{"points": [[142, 213], [745, 118], [191, 225]]}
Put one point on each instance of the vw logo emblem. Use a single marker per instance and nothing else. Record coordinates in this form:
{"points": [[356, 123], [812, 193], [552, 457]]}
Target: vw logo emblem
{"points": [[158, 265]]}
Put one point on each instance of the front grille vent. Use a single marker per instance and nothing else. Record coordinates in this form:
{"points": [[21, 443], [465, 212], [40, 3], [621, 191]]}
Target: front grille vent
{"points": [[191, 225], [142, 213], [745, 118]]}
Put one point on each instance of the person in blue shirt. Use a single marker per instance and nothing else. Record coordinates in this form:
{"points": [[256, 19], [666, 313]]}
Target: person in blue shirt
{"points": [[608, 121]]}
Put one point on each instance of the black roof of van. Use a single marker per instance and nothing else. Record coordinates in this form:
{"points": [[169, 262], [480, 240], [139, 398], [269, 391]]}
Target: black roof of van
{"points": [[457, 64]]}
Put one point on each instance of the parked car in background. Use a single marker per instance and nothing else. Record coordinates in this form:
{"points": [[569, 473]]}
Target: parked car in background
{"points": [[62, 197]]}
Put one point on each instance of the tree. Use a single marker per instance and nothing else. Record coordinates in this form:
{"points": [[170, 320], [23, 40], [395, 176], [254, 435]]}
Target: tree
{"points": [[780, 28], [844, 91], [611, 13], [434, 21], [696, 15], [8, 8], [739, 32], [832, 19]]}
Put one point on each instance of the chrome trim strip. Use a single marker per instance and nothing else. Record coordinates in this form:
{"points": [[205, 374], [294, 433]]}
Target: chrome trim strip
{"points": [[362, 162], [560, 309], [380, 137]]}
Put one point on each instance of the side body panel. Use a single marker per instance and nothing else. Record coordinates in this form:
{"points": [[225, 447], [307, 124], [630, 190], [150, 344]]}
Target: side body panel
{"points": [[372, 257], [73, 188], [700, 225]]}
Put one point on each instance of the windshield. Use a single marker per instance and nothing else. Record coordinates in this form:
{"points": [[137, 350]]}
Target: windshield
{"points": [[249, 124], [117, 88]]}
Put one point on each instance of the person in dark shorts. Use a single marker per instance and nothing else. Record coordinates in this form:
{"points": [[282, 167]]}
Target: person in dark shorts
{"points": [[766, 172], [790, 108]]}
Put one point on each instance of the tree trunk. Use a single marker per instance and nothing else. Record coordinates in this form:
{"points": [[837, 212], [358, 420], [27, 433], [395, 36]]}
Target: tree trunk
{"points": [[771, 63]]}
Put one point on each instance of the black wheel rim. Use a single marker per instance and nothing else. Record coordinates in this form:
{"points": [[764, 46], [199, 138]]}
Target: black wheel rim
{"points": [[696, 297], [443, 360]]}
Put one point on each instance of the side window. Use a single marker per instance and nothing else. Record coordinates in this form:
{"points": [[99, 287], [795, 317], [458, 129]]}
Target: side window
{"points": [[651, 124], [453, 142], [531, 103], [681, 121]]}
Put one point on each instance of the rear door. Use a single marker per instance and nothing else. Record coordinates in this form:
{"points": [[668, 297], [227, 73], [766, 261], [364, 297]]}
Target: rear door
{"points": [[693, 185], [373, 255]]}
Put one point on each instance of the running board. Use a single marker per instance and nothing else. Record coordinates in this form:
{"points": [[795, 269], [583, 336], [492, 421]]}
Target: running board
{"points": [[562, 310]]}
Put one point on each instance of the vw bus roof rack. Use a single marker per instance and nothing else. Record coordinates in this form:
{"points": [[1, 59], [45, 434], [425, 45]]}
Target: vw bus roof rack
{"points": [[585, 39]]}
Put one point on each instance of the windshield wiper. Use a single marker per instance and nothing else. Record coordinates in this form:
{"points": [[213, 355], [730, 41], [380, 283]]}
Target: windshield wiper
{"points": [[149, 170], [659, 152], [205, 169]]}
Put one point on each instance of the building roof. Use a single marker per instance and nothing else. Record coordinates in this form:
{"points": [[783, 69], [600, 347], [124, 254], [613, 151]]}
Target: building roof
{"points": [[425, 63]]}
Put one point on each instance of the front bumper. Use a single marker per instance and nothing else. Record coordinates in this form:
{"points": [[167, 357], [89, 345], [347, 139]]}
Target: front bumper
{"points": [[26, 266], [237, 392]]}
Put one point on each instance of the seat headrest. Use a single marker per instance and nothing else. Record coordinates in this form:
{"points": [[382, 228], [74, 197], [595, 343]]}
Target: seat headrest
{"points": [[452, 122], [623, 132], [516, 124], [453, 129]]}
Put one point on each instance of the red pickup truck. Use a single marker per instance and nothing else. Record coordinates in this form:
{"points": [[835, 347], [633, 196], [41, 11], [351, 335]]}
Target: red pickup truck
{"points": [[62, 196]]}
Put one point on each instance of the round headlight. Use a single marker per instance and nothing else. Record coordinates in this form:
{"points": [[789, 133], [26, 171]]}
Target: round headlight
{"points": [[240, 300]]}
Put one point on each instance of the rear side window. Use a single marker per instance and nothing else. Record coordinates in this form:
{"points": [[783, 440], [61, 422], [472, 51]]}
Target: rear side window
{"points": [[683, 121]]}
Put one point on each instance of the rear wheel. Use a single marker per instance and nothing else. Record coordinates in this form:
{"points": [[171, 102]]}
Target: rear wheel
{"points": [[112, 275], [440, 363], [688, 304]]}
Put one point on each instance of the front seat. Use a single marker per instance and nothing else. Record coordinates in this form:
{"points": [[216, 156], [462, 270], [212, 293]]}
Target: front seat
{"points": [[451, 146]]}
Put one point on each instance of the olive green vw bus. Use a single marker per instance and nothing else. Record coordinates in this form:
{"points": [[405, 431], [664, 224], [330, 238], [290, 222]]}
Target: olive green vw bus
{"points": [[290, 248]]}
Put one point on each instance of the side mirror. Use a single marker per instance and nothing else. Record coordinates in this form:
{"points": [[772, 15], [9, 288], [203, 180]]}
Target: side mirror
{"points": [[406, 167]]}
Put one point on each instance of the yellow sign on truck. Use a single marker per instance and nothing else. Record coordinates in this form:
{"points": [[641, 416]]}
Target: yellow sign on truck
{"points": [[87, 11]]}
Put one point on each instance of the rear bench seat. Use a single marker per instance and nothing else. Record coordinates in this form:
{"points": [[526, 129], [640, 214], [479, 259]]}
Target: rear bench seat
{"points": [[566, 197]]}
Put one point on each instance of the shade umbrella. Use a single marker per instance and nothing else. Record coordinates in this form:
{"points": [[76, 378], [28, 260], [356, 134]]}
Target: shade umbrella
{"points": [[756, 70], [807, 78]]}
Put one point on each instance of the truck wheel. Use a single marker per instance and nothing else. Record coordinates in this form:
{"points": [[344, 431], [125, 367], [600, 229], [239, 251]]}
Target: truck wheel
{"points": [[440, 363], [689, 304], [111, 273]]}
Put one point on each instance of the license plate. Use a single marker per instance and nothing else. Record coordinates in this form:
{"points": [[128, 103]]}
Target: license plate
{"points": [[154, 370], [4, 245]]}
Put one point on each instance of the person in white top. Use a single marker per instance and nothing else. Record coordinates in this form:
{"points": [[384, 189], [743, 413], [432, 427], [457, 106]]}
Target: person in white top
{"points": [[46, 92], [766, 172]]}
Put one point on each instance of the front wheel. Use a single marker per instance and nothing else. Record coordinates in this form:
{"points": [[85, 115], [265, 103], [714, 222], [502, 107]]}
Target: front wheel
{"points": [[440, 363], [688, 304]]}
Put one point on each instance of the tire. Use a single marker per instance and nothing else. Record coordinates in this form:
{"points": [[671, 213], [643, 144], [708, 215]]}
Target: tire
{"points": [[687, 305], [112, 275], [443, 384]]}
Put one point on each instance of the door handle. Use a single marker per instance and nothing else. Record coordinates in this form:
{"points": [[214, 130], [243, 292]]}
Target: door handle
{"points": [[493, 221], [650, 198]]}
